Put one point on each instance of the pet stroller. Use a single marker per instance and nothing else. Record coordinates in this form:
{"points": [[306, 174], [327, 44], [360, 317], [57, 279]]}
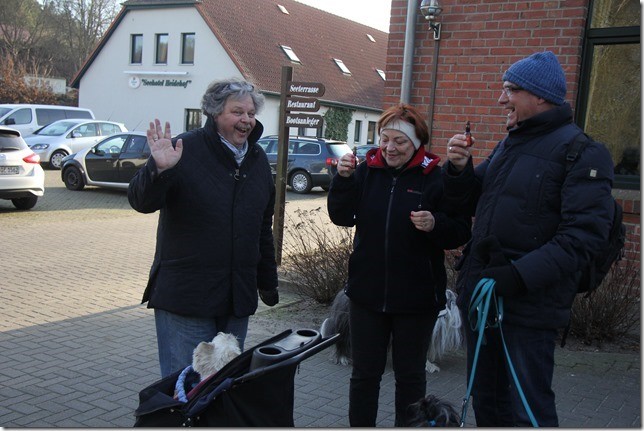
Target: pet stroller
{"points": [[256, 389]]}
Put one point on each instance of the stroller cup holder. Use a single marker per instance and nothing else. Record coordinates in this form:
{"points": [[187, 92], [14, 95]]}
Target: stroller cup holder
{"points": [[285, 348]]}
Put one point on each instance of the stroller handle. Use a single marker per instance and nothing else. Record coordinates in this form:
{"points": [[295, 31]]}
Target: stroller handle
{"points": [[290, 361]]}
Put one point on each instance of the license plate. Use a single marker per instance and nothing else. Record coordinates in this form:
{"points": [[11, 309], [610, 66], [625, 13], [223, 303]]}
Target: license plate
{"points": [[9, 170]]}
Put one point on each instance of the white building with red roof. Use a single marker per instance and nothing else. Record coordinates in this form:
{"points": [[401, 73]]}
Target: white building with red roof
{"points": [[158, 57]]}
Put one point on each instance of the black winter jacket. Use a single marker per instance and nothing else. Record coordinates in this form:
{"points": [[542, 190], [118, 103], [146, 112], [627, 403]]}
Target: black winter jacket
{"points": [[394, 267], [549, 224], [214, 239]]}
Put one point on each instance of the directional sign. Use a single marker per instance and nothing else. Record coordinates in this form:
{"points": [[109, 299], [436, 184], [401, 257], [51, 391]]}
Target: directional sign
{"points": [[304, 120], [314, 89], [302, 104]]}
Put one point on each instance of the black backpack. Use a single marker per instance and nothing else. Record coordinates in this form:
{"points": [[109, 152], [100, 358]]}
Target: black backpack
{"points": [[595, 272]]}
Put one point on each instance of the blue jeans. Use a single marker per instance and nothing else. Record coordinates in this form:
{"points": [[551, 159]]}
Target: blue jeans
{"points": [[371, 331], [495, 398], [177, 336]]}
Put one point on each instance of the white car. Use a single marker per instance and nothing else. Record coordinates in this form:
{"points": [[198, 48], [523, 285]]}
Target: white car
{"points": [[63, 137], [22, 179]]}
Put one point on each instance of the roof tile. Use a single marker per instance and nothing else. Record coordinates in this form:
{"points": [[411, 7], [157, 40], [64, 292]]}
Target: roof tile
{"points": [[252, 31]]}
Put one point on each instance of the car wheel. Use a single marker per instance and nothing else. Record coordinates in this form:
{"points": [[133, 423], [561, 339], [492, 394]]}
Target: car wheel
{"points": [[25, 203], [57, 159], [301, 182], [73, 178]]}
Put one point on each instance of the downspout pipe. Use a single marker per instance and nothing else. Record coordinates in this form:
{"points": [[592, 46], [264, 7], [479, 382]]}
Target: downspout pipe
{"points": [[408, 53]]}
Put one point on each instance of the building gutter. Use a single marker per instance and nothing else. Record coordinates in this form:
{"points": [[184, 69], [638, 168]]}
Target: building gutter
{"points": [[408, 54]]}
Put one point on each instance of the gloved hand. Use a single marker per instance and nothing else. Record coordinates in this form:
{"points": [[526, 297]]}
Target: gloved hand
{"points": [[508, 280], [490, 252], [269, 297]]}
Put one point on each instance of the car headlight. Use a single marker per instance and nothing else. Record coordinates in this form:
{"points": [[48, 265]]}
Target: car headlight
{"points": [[37, 147]]}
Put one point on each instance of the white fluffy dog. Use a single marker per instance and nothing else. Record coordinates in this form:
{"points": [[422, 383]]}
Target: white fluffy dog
{"points": [[208, 358], [447, 336]]}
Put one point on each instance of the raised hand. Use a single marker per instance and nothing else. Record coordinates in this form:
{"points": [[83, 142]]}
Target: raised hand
{"points": [[347, 165], [458, 152], [164, 154]]}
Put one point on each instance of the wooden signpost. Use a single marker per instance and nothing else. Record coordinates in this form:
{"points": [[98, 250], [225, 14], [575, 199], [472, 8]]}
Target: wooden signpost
{"points": [[299, 97]]}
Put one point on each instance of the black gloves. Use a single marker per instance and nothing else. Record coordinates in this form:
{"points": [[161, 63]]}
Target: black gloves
{"points": [[489, 251], [269, 297], [508, 280]]}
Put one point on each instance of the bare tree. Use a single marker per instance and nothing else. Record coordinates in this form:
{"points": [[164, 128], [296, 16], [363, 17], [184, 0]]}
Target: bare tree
{"points": [[79, 25], [22, 27]]}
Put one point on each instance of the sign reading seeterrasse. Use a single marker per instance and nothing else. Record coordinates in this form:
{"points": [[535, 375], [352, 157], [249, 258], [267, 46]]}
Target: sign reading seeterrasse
{"points": [[314, 89]]}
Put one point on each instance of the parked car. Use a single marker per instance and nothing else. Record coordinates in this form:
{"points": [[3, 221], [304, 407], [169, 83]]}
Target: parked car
{"points": [[61, 138], [27, 118], [110, 163], [361, 151], [312, 162], [22, 179]]}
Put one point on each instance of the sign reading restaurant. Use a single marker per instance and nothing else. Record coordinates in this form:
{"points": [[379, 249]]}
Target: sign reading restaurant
{"points": [[302, 104]]}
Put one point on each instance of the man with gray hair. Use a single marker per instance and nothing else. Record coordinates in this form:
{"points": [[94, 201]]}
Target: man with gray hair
{"points": [[537, 224], [215, 195]]}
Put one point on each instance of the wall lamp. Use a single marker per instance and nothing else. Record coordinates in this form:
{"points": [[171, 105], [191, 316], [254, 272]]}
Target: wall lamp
{"points": [[430, 10]]}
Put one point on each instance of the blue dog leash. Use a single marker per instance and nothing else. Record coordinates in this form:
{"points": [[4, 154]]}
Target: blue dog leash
{"points": [[477, 313]]}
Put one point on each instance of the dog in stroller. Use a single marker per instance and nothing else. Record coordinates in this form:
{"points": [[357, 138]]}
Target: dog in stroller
{"points": [[447, 335], [255, 389]]}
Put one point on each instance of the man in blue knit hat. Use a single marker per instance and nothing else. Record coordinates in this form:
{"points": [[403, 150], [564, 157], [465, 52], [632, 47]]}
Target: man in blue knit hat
{"points": [[537, 224]]}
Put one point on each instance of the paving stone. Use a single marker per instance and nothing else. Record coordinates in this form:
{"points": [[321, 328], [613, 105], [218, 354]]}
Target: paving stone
{"points": [[76, 350]]}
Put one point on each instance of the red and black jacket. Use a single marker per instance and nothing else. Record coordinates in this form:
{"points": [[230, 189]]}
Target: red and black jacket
{"points": [[395, 267]]}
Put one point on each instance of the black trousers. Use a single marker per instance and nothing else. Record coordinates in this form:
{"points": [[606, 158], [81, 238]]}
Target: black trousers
{"points": [[371, 332], [495, 397]]}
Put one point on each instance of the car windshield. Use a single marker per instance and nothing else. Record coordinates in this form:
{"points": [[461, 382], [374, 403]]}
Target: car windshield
{"points": [[56, 129], [339, 149], [3, 111]]}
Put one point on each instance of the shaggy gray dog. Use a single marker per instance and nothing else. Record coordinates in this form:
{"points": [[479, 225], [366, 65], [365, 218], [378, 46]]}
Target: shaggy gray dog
{"points": [[432, 412], [447, 336]]}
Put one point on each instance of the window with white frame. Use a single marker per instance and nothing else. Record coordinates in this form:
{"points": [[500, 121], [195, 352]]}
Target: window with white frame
{"points": [[136, 49], [193, 119], [343, 67], [291, 54], [357, 130], [187, 48], [161, 56]]}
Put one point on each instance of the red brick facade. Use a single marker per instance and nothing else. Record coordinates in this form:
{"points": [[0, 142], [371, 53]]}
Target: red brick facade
{"points": [[479, 40]]}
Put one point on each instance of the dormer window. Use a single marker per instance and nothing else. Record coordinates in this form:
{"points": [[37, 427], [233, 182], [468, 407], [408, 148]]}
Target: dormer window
{"points": [[291, 54], [382, 74], [343, 67]]}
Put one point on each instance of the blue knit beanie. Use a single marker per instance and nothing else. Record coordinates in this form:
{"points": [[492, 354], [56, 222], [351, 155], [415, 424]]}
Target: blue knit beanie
{"points": [[540, 74]]}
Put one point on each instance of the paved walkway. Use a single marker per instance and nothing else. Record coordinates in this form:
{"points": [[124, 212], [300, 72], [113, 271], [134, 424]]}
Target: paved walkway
{"points": [[76, 347], [87, 372]]}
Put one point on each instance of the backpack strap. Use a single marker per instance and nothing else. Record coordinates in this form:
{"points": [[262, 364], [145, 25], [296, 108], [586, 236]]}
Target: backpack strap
{"points": [[575, 148]]}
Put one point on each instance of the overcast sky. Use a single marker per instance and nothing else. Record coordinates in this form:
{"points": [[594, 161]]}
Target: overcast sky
{"points": [[374, 13]]}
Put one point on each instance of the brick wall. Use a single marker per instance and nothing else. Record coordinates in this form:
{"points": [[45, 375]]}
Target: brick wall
{"points": [[479, 40]]}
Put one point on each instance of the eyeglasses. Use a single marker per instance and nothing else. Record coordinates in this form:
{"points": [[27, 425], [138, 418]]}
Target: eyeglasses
{"points": [[241, 86], [510, 90]]}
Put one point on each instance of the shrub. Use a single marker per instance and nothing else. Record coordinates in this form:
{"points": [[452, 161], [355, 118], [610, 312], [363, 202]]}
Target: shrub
{"points": [[611, 311], [337, 123], [316, 254]]}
